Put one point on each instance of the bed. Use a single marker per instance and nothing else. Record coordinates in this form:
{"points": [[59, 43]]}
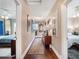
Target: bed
{"points": [[72, 39], [6, 40]]}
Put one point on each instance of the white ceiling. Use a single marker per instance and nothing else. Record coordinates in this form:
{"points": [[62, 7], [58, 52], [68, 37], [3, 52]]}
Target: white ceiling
{"points": [[73, 14], [8, 8], [40, 7], [73, 8]]}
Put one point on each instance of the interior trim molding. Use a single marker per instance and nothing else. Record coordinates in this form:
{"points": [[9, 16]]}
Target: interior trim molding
{"points": [[56, 52], [27, 49]]}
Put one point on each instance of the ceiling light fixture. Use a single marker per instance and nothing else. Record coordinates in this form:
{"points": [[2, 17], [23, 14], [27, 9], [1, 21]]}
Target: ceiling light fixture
{"points": [[6, 17], [2, 16], [74, 16]]}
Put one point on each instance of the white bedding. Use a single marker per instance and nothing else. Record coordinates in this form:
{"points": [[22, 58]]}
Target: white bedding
{"points": [[72, 39], [7, 37]]}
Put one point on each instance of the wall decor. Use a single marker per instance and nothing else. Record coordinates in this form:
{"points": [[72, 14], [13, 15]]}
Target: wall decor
{"points": [[28, 23], [54, 27], [54, 32]]}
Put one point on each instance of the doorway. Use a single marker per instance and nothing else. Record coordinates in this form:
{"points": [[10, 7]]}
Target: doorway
{"points": [[73, 29], [7, 29]]}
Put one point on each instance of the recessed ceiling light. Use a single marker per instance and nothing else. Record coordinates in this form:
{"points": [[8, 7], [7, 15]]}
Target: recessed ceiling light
{"points": [[74, 16], [6, 17], [2, 17]]}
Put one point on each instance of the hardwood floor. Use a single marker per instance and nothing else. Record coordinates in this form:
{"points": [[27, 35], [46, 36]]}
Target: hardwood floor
{"points": [[49, 54]]}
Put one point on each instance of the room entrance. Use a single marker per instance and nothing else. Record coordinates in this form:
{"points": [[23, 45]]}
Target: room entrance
{"points": [[7, 29]]}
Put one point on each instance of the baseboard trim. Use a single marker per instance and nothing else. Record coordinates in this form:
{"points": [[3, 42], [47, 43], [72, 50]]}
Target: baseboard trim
{"points": [[56, 52], [27, 49]]}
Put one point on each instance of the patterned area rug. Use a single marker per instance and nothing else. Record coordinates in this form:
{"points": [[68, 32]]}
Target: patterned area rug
{"points": [[5, 52], [37, 47], [73, 52]]}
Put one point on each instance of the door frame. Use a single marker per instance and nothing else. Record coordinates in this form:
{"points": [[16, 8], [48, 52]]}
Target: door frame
{"points": [[64, 30], [18, 29]]}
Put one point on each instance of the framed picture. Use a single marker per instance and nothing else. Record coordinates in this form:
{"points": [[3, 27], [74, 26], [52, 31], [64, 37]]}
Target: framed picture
{"points": [[54, 27], [28, 23], [54, 32]]}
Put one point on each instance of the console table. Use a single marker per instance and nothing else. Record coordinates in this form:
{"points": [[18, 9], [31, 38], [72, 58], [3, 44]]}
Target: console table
{"points": [[47, 41]]}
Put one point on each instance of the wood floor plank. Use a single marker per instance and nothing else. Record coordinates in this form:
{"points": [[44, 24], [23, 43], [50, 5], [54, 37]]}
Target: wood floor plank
{"points": [[49, 54]]}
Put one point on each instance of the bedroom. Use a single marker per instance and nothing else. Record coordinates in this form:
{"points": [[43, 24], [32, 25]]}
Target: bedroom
{"points": [[73, 29], [7, 26]]}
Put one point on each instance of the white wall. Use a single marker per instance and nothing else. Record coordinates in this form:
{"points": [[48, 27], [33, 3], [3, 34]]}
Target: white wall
{"points": [[59, 44], [64, 31], [24, 38], [56, 40]]}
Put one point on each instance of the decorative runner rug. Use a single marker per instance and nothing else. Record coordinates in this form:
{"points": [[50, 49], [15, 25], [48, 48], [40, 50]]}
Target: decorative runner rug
{"points": [[37, 47]]}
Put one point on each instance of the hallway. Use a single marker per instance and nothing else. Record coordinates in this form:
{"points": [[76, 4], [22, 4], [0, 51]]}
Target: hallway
{"points": [[33, 17], [40, 53]]}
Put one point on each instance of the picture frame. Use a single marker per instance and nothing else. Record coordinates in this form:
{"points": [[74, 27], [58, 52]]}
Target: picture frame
{"points": [[28, 23], [54, 32], [54, 27]]}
